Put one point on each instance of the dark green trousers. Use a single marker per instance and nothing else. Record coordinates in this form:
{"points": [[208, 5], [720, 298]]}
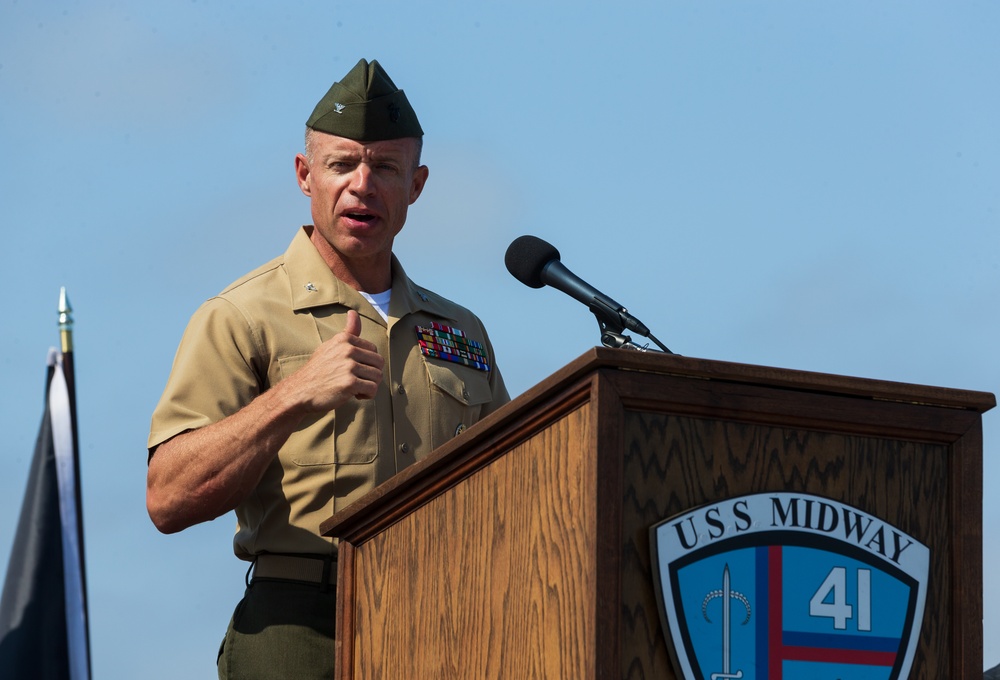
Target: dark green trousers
{"points": [[280, 629]]}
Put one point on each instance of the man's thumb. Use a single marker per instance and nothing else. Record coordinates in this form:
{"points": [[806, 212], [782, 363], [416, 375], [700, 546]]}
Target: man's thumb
{"points": [[353, 325]]}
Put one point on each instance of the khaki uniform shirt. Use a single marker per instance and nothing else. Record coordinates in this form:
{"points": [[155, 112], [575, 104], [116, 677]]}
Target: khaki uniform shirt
{"points": [[264, 327]]}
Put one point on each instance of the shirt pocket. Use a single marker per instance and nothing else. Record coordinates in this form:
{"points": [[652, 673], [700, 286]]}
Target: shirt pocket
{"points": [[457, 396], [347, 435]]}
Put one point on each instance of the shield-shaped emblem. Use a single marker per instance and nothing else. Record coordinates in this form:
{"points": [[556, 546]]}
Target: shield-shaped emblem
{"points": [[785, 586]]}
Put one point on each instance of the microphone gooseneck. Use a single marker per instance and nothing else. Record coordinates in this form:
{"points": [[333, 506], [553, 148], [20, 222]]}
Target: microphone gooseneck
{"points": [[536, 263]]}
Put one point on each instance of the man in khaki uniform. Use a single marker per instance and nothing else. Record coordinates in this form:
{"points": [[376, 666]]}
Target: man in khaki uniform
{"points": [[314, 378]]}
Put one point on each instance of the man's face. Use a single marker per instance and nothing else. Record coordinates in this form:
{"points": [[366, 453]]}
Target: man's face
{"points": [[360, 192]]}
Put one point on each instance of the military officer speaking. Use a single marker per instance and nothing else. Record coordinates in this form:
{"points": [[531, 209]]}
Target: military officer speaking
{"points": [[314, 378]]}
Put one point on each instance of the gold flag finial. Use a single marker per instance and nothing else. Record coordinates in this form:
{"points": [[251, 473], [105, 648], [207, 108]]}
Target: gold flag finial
{"points": [[65, 321]]}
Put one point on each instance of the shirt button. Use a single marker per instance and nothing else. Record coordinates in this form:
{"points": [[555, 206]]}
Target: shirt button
{"points": [[400, 389], [404, 448], [465, 394]]}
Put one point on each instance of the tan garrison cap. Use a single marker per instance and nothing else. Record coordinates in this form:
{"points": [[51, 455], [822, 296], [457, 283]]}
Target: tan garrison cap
{"points": [[365, 106]]}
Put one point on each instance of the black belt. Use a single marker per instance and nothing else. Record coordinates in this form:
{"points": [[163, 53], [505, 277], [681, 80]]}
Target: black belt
{"points": [[318, 569]]}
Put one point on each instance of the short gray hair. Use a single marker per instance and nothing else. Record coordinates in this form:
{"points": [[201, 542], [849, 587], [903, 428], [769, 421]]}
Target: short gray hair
{"points": [[309, 146]]}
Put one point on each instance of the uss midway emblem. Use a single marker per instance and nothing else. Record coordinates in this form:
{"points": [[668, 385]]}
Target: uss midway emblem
{"points": [[785, 586]]}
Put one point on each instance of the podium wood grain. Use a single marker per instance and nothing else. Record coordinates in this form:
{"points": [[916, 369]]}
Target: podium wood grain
{"points": [[511, 540], [521, 549]]}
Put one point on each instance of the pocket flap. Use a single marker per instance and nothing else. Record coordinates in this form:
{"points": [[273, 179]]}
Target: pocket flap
{"points": [[467, 385]]}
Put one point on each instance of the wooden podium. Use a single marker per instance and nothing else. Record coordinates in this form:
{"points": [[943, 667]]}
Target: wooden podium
{"points": [[521, 549]]}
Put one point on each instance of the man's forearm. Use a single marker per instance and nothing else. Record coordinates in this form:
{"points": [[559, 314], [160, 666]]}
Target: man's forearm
{"points": [[202, 474]]}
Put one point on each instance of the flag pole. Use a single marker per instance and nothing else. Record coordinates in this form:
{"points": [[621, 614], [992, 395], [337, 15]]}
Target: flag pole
{"points": [[66, 345]]}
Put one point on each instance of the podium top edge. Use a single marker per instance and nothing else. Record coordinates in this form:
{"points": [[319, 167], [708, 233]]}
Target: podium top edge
{"points": [[710, 369]]}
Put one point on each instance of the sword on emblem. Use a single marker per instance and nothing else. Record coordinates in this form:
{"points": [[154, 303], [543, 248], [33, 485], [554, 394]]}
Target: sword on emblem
{"points": [[728, 595]]}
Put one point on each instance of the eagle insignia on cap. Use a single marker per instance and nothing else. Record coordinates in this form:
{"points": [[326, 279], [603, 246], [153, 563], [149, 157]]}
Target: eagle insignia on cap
{"points": [[338, 107]]}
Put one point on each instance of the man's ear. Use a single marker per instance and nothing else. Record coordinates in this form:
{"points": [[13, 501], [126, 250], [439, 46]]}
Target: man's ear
{"points": [[302, 174], [417, 186]]}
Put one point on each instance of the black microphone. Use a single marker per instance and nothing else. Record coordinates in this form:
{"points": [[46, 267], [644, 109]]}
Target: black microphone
{"points": [[535, 263]]}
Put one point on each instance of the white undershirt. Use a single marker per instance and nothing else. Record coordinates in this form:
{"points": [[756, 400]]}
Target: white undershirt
{"points": [[380, 301]]}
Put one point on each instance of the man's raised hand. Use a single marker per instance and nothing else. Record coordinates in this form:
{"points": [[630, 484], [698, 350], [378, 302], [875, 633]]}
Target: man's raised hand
{"points": [[343, 367]]}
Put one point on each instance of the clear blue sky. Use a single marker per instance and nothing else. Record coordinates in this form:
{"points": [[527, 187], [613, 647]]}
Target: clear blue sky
{"points": [[810, 185]]}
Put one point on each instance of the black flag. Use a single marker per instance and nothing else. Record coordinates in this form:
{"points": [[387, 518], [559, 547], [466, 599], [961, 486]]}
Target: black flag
{"points": [[43, 612]]}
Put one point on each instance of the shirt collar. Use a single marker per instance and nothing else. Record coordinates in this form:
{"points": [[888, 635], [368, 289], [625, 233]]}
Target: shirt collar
{"points": [[312, 284], [310, 279]]}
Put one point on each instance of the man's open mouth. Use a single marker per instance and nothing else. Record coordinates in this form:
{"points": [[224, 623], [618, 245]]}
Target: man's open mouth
{"points": [[360, 217]]}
